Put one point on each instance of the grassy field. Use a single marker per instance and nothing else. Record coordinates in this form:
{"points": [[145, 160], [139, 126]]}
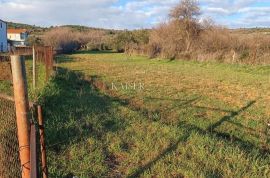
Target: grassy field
{"points": [[181, 119]]}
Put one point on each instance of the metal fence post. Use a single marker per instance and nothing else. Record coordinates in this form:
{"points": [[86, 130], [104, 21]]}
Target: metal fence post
{"points": [[22, 112], [34, 68], [33, 154], [45, 51], [42, 143]]}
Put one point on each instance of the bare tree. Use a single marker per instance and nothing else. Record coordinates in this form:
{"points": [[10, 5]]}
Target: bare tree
{"points": [[186, 10], [186, 13]]}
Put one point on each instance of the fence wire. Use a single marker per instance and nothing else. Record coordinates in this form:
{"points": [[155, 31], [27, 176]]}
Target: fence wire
{"points": [[9, 151], [5, 72], [9, 146]]}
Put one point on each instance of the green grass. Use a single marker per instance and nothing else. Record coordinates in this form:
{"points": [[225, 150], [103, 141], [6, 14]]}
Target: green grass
{"points": [[6, 86], [191, 119]]}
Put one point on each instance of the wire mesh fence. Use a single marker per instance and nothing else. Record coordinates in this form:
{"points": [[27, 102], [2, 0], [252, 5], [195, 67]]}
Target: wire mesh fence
{"points": [[37, 74], [39, 67], [5, 70], [9, 152], [45, 55]]}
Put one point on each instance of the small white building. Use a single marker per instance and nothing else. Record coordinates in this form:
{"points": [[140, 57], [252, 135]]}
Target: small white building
{"points": [[3, 36], [17, 37]]}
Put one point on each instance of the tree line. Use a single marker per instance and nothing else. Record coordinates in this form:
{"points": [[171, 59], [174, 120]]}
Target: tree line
{"points": [[184, 36]]}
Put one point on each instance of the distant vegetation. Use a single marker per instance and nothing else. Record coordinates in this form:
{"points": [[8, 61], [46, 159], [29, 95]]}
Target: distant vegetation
{"points": [[33, 29], [184, 36], [70, 39]]}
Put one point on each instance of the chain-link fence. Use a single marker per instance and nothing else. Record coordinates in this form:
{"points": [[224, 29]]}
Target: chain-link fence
{"points": [[5, 69], [39, 63], [38, 67], [45, 55], [9, 151]]}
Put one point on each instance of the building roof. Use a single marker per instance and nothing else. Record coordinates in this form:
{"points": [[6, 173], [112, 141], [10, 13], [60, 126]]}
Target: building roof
{"points": [[2, 20], [16, 31]]}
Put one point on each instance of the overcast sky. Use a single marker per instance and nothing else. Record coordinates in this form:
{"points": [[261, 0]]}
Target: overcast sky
{"points": [[130, 14]]}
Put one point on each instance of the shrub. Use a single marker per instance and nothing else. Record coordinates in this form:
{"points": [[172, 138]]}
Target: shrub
{"points": [[131, 41], [62, 38], [184, 37]]}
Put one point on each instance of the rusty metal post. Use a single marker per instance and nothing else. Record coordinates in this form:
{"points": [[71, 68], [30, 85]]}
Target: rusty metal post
{"points": [[34, 68], [51, 59], [46, 63], [22, 112], [42, 143], [33, 153]]}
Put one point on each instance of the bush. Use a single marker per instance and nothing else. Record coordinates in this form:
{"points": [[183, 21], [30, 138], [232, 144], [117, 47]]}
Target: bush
{"points": [[34, 40], [69, 40], [95, 40], [131, 41], [166, 41], [62, 38], [184, 37]]}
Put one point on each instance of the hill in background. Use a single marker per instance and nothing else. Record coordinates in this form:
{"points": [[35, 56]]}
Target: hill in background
{"points": [[33, 29]]}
